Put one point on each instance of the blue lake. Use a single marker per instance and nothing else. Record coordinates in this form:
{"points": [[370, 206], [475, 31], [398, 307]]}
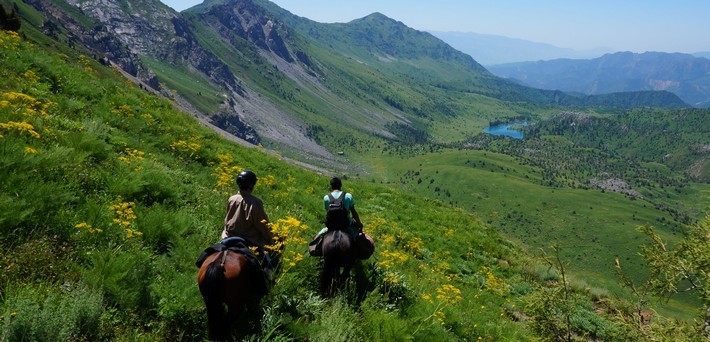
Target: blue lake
{"points": [[506, 131]]}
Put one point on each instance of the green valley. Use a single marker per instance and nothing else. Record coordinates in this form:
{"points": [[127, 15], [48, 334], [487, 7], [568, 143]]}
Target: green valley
{"points": [[117, 156]]}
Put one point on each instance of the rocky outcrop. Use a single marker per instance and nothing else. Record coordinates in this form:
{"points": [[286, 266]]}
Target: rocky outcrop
{"points": [[235, 126], [107, 46], [149, 28], [615, 185], [251, 22]]}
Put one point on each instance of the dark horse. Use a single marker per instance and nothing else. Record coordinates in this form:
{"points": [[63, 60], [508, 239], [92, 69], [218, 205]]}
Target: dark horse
{"points": [[227, 278], [338, 260]]}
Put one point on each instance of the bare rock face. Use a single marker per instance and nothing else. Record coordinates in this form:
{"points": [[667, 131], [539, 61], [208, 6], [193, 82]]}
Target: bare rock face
{"points": [[100, 38], [139, 25], [235, 126], [149, 28], [124, 33], [251, 23], [615, 185]]}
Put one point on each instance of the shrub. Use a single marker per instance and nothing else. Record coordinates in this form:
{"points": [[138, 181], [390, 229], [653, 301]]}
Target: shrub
{"points": [[337, 323], [45, 259], [592, 325], [179, 304], [163, 226], [124, 276], [48, 313], [379, 324], [542, 272]]}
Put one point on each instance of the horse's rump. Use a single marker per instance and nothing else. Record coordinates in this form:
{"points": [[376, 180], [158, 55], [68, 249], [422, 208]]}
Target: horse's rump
{"points": [[211, 280], [338, 253], [227, 278], [338, 244]]}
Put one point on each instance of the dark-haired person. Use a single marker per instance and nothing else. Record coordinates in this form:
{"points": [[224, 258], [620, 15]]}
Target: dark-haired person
{"points": [[336, 191]]}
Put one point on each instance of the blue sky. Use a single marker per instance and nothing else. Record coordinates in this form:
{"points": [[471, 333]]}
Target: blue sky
{"points": [[622, 25]]}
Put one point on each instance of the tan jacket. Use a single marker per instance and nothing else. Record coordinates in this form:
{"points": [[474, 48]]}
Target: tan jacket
{"points": [[246, 218]]}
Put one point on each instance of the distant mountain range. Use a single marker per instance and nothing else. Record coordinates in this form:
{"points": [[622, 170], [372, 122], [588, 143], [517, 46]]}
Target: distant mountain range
{"points": [[491, 49], [266, 76], [682, 74]]}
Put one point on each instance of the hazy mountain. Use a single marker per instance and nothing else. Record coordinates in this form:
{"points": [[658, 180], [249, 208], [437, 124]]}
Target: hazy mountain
{"points": [[492, 49], [682, 74], [704, 54]]}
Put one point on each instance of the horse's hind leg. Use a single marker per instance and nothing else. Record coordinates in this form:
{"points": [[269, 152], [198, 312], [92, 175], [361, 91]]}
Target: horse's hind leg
{"points": [[328, 277], [254, 314], [217, 322], [247, 317], [346, 273]]}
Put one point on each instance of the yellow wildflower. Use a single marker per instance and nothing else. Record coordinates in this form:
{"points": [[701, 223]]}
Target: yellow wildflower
{"points": [[448, 293], [30, 150], [226, 170], [22, 127]]}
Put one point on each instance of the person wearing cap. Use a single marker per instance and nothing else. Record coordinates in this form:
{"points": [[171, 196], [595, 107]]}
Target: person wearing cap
{"points": [[246, 217]]}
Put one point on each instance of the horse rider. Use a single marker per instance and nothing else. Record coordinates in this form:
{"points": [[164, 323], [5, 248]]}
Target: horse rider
{"points": [[354, 224], [246, 217]]}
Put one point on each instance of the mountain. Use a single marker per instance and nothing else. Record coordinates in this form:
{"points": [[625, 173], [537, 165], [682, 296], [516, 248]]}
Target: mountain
{"points": [[109, 193], [492, 49], [682, 74], [269, 77], [110, 186]]}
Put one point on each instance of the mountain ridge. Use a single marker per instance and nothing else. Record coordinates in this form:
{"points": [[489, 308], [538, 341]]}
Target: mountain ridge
{"points": [[491, 49], [269, 77], [683, 74]]}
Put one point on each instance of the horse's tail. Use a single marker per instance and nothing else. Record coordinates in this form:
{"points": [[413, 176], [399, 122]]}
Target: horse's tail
{"points": [[337, 253], [211, 288]]}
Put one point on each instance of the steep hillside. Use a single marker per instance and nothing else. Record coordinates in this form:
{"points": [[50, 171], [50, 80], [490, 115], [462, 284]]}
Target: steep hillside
{"points": [[681, 74], [109, 194]]}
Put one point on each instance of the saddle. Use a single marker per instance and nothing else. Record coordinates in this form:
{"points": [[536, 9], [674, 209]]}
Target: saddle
{"points": [[235, 244], [364, 245], [241, 245]]}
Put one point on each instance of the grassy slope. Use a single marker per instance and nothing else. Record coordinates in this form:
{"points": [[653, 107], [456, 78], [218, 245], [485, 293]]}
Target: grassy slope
{"points": [[109, 151], [599, 227], [590, 227], [104, 143]]}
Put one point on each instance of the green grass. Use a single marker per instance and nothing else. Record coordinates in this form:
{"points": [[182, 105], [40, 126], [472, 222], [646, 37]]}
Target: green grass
{"points": [[590, 227], [124, 205], [196, 88], [129, 208]]}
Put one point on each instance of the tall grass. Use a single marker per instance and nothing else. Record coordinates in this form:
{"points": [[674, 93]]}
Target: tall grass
{"points": [[108, 195], [43, 312]]}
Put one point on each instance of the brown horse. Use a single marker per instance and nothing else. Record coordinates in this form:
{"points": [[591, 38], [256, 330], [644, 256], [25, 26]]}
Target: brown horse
{"points": [[227, 278], [338, 260]]}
